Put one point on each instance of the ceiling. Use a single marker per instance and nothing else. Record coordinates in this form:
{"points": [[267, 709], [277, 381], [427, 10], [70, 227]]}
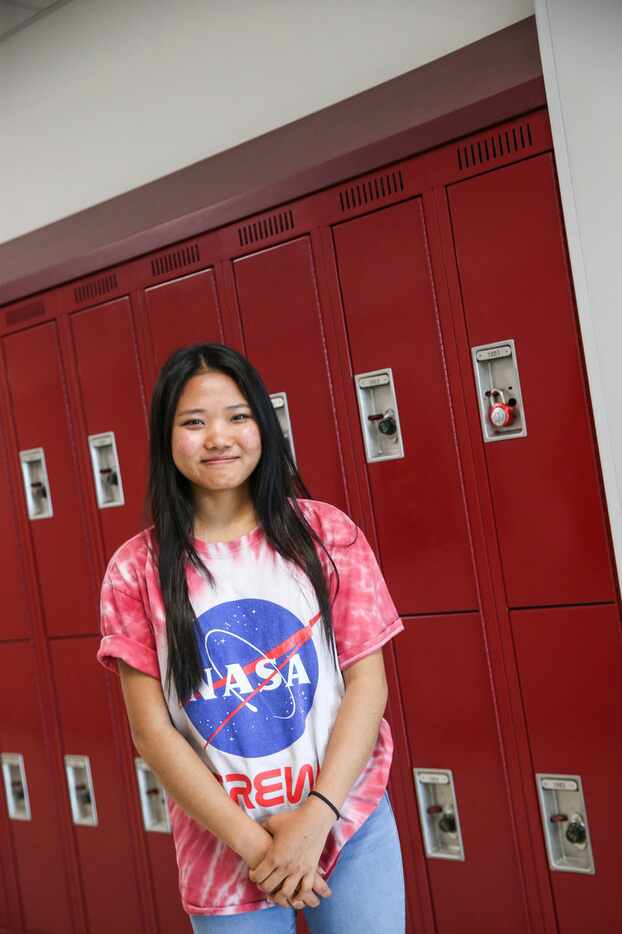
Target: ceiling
{"points": [[17, 14]]}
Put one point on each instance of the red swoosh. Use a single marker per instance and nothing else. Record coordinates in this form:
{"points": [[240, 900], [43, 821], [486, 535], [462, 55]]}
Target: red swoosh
{"points": [[299, 638]]}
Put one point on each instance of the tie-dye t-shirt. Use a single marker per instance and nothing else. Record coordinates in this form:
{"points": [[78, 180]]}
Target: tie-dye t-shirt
{"points": [[270, 693]]}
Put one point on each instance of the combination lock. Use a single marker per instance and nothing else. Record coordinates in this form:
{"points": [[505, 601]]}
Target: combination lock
{"points": [[387, 424]]}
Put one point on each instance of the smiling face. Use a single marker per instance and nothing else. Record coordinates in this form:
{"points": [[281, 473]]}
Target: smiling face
{"points": [[215, 441]]}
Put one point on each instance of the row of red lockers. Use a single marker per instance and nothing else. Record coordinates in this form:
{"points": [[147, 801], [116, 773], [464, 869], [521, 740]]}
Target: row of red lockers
{"points": [[497, 555]]}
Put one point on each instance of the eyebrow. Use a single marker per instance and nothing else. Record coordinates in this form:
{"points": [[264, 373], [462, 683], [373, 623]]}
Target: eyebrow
{"points": [[238, 405]]}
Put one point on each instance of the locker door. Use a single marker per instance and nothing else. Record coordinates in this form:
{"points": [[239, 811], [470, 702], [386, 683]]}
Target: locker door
{"points": [[444, 655], [280, 312], [112, 398], [14, 621], [183, 312], [550, 521], [570, 663], [40, 866], [106, 852], [389, 306], [551, 527], [67, 584]]}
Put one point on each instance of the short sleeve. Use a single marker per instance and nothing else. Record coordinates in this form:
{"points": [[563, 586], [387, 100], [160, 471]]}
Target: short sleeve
{"points": [[364, 615], [127, 632]]}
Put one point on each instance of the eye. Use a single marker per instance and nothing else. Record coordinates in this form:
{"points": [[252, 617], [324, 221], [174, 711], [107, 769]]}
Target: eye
{"points": [[240, 417], [192, 423]]}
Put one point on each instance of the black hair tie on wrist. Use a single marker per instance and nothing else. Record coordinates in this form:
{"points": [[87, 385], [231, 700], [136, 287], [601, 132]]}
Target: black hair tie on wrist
{"points": [[327, 802]]}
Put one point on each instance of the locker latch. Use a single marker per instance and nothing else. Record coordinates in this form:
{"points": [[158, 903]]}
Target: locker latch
{"points": [[499, 391], [565, 823], [281, 408], [153, 801], [81, 792], [438, 810], [15, 786], [106, 473], [36, 484], [379, 415]]}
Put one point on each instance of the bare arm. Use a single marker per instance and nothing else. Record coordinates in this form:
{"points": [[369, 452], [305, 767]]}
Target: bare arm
{"points": [[300, 835], [355, 731], [181, 771]]}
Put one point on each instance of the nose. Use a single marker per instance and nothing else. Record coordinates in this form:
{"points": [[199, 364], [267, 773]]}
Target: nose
{"points": [[217, 435]]}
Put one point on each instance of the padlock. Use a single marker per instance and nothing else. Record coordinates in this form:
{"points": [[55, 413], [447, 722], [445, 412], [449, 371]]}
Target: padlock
{"points": [[501, 412], [387, 424], [576, 832], [448, 823]]}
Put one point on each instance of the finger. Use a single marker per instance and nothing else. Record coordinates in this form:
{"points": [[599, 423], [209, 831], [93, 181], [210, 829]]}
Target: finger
{"points": [[272, 884], [290, 886], [304, 900], [321, 887], [261, 872], [305, 893]]}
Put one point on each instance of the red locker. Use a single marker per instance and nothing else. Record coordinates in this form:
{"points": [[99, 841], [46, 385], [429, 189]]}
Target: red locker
{"points": [[36, 843], [390, 309], [451, 724], [69, 590], [182, 312], [545, 488], [14, 623], [113, 400], [279, 307], [549, 535], [106, 356], [106, 851], [570, 661]]}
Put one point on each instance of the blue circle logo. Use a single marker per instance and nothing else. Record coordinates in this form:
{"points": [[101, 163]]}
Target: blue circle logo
{"points": [[260, 672]]}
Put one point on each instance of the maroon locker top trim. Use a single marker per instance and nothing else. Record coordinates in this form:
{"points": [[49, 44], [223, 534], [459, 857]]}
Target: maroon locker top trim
{"points": [[491, 80]]}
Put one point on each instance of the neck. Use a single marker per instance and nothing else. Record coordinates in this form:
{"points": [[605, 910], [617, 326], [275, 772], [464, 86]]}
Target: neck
{"points": [[224, 515]]}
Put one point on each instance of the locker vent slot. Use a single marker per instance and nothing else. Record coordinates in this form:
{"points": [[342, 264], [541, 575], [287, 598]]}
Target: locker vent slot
{"points": [[266, 227], [97, 288], [374, 189], [25, 313], [175, 260], [496, 146]]}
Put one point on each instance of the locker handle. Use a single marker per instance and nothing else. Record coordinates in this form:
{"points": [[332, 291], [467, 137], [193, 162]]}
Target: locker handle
{"points": [[106, 470], [81, 794], [15, 785], [36, 483]]}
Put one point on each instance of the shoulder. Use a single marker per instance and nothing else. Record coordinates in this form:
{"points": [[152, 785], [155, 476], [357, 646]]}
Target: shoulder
{"points": [[128, 565], [334, 527]]}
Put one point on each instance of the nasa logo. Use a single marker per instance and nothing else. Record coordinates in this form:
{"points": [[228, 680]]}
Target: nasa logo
{"points": [[260, 672]]}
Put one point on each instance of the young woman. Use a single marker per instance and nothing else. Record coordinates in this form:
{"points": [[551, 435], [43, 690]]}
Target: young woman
{"points": [[247, 626]]}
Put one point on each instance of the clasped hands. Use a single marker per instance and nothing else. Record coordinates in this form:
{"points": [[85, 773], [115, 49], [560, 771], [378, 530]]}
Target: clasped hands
{"points": [[288, 872]]}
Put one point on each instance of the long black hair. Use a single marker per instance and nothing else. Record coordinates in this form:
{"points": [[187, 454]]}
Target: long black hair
{"points": [[275, 485]]}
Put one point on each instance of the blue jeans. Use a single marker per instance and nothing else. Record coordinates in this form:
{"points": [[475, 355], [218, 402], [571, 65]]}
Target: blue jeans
{"points": [[367, 885]]}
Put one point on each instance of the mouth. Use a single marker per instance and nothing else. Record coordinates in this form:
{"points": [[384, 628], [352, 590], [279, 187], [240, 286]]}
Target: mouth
{"points": [[219, 460]]}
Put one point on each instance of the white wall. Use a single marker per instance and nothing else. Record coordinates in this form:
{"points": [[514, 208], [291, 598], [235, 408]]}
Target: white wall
{"points": [[104, 95], [581, 45]]}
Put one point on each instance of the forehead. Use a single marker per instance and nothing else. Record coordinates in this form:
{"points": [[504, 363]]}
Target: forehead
{"points": [[210, 389]]}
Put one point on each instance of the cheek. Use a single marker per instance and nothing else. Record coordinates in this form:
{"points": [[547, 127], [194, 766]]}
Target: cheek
{"points": [[251, 439], [183, 445]]}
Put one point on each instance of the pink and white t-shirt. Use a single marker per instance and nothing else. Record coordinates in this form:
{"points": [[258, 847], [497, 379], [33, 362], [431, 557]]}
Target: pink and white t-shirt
{"points": [[270, 693]]}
